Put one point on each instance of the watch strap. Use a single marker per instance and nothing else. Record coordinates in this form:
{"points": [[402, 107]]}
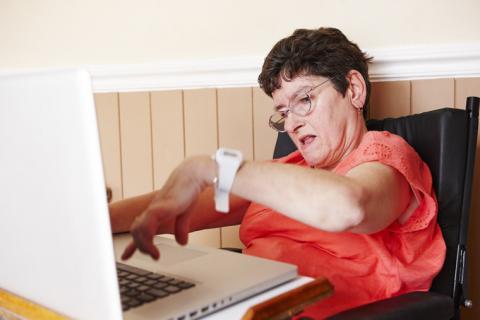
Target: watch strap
{"points": [[228, 161]]}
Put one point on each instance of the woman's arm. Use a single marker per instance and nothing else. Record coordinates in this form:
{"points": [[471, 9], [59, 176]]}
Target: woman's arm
{"points": [[124, 212], [367, 199], [203, 213]]}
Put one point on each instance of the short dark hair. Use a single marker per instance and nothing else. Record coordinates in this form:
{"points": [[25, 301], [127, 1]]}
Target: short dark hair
{"points": [[324, 52]]}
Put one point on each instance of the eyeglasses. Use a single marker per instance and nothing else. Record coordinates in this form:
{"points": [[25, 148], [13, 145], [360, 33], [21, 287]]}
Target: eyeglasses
{"points": [[301, 106]]}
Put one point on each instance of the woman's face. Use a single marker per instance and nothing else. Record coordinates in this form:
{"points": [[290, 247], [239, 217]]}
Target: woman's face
{"points": [[331, 130]]}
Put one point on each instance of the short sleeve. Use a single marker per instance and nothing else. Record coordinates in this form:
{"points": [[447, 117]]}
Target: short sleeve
{"points": [[394, 151]]}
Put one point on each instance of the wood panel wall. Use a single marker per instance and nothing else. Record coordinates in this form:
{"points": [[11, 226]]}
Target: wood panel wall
{"points": [[144, 135]]}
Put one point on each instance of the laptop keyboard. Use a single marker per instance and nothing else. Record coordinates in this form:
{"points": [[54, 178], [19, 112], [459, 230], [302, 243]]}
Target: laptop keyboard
{"points": [[138, 286]]}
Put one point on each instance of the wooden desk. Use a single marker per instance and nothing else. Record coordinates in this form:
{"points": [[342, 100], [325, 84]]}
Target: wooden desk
{"points": [[259, 306], [13, 307]]}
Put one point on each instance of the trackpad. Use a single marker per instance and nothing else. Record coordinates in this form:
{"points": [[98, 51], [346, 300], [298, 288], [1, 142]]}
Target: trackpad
{"points": [[173, 254]]}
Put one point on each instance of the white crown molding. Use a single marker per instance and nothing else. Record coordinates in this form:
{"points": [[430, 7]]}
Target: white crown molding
{"points": [[401, 63], [184, 74], [425, 62]]}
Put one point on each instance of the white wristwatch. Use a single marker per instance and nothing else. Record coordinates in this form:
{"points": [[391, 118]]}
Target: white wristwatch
{"points": [[228, 162]]}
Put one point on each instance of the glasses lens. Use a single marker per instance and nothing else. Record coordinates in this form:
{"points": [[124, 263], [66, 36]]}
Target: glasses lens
{"points": [[302, 105], [277, 122]]}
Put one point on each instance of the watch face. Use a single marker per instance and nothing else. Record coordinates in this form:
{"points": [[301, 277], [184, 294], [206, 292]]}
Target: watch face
{"points": [[229, 153]]}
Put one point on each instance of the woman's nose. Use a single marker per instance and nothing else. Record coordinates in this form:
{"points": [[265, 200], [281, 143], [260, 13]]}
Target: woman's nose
{"points": [[293, 122]]}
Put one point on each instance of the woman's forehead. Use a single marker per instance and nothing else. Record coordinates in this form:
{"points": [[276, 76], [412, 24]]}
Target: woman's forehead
{"points": [[291, 88]]}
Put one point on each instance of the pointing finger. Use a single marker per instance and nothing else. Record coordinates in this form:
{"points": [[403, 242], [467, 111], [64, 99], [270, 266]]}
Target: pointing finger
{"points": [[129, 250]]}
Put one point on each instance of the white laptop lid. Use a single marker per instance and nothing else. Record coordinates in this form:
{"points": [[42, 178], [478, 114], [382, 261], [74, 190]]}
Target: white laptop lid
{"points": [[56, 249], [55, 236]]}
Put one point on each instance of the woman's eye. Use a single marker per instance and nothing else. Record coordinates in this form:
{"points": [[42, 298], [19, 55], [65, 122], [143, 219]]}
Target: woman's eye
{"points": [[305, 100]]}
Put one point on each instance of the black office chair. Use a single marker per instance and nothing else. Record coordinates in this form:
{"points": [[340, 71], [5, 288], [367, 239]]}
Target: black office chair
{"points": [[446, 140]]}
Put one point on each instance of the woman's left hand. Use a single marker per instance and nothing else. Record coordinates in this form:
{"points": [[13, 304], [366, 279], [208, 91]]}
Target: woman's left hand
{"points": [[168, 211]]}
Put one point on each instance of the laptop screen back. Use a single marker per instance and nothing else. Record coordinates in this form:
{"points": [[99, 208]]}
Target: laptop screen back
{"points": [[55, 240]]}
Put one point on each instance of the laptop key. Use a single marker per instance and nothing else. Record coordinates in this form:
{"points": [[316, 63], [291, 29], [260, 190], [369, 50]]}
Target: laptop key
{"points": [[160, 285], [142, 288], [166, 279], [123, 282], [133, 285], [174, 282], [162, 281], [158, 293], [134, 303], [125, 299], [131, 276], [185, 285], [141, 279], [132, 269], [155, 276], [149, 282], [144, 297], [172, 289], [132, 293]]}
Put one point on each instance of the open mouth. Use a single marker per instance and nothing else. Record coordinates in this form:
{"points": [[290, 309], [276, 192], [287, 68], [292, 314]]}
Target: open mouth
{"points": [[306, 140]]}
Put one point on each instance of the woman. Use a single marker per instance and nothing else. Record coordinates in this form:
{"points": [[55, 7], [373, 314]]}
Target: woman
{"points": [[353, 206]]}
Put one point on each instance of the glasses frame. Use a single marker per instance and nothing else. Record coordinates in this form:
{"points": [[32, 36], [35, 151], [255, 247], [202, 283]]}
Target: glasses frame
{"points": [[290, 110]]}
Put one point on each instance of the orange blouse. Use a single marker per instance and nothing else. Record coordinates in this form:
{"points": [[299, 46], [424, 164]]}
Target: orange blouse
{"points": [[363, 268]]}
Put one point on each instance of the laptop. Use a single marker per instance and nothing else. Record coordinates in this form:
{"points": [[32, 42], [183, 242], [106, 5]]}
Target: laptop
{"points": [[56, 245]]}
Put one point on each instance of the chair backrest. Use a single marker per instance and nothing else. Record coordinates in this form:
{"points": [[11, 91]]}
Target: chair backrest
{"points": [[446, 140]]}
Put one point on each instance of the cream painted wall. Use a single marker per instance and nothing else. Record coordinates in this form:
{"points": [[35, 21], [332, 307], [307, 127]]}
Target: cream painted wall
{"points": [[98, 32]]}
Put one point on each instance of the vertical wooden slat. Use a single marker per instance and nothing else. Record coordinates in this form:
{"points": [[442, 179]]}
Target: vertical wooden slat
{"points": [[432, 94], [200, 114], [200, 121], [167, 134], [109, 130], [264, 136], [230, 237], [463, 88], [390, 99], [136, 142], [235, 130]]}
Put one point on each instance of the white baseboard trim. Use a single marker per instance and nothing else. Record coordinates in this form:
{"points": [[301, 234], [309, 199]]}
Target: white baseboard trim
{"points": [[401, 63]]}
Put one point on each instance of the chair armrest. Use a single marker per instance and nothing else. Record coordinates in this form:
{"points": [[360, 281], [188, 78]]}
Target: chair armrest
{"points": [[415, 305]]}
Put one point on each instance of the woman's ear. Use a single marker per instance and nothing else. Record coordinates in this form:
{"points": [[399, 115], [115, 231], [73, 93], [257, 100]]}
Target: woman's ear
{"points": [[357, 89]]}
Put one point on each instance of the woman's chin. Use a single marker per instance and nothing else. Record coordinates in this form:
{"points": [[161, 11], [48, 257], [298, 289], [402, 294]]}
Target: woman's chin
{"points": [[312, 161], [317, 160]]}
